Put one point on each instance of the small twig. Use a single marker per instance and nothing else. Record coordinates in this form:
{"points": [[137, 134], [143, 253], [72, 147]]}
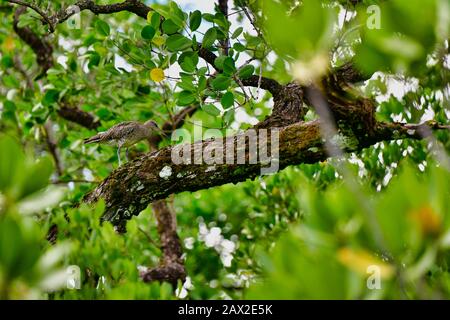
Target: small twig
{"points": [[149, 238], [253, 23], [235, 12]]}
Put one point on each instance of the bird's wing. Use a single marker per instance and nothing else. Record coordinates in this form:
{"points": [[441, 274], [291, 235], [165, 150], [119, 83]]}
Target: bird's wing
{"points": [[121, 130]]}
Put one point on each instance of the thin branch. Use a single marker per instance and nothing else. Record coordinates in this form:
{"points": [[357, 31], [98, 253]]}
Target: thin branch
{"points": [[149, 238], [250, 17]]}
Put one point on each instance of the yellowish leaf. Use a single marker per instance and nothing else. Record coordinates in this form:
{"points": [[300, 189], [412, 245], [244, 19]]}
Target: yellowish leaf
{"points": [[158, 40], [157, 74], [8, 44], [360, 260], [429, 221]]}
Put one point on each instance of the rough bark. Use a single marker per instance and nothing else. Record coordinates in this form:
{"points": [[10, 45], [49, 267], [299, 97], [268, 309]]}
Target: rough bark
{"points": [[288, 108], [130, 188], [171, 268]]}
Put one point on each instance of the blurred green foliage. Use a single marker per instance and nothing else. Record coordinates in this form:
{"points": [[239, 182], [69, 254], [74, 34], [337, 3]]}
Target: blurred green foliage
{"points": [[28, 265], [403, 232]]}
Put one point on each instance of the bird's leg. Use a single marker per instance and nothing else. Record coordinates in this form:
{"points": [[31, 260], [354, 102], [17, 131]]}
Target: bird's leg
{"points": [[118, 154], [126, 154]]}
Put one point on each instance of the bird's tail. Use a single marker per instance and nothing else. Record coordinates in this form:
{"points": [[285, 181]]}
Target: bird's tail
{"points": [[161, 132], [94, 139]]}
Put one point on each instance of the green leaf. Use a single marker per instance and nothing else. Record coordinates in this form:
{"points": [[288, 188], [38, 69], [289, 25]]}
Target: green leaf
{"points": [[7, 62], [228, 116], [208, 17], [188, 65], [186, 84], [185, 98], [10, 81], [202, 83], [221, 21], [209, 38], [41, 172], [218, 62], [221, 82], [177, 15], [155, 20], [237, 33], [174, 13], [11, 161], [195, 19], [94, 60], [178, 42], [246, 71], [211, 109], [148, 32], [238, 47], [102, 28], [188, 61], [169, 27], [228, 65], [227, 100], [310, 25], [50, 97]]}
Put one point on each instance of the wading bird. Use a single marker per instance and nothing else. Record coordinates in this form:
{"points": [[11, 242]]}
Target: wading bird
{"points": [[126, 134]]}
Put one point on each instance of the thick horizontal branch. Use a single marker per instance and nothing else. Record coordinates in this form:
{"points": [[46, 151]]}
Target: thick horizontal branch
{"points": [[78, 116], [130, 188], [264, 83]]}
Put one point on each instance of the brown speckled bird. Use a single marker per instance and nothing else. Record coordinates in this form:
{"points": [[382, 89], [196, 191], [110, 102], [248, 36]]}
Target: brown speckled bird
{"points": [[126, 134]]}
